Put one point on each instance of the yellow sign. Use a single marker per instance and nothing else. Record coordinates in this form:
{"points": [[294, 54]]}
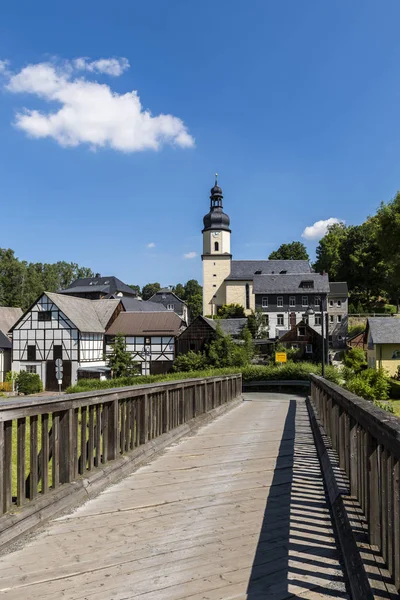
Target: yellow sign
{"points": [[280, 357]]}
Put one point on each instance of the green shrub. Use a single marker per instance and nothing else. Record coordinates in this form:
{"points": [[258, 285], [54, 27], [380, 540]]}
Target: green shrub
{"points": [[370, 384], [289, 371], [192, 361], [355, 359], [29, 383]]}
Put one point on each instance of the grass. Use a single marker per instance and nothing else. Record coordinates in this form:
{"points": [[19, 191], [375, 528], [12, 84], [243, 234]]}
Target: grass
{"points": [[396, 406]]}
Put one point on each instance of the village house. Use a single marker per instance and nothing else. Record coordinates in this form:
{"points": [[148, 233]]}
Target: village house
{"points": [[99, 288], [149, 336], [202, 331], [65, 327], [172, 302], [8, 316], [382, 337], [305, 339]]}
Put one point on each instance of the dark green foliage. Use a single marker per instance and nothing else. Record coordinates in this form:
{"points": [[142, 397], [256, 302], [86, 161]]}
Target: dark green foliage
{"points": [[192, 294], [136, 288], [28, 383], [371, 384], [355, 359], [289, 371], [21, 283], [120, 360], [292, 251], [149, 290], [394, 389], [256, 324], [192, 361], [231, 311], [86, 385], [356, 329]]}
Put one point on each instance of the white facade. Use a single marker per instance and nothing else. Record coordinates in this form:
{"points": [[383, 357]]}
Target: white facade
{"points": [[149, 350]]}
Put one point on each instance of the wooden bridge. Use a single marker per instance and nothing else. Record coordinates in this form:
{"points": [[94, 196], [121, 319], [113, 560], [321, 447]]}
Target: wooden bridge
{"points": [[215, 495]]}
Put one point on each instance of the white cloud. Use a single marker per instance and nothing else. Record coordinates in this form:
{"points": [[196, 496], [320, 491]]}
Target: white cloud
{"points": [[151, 245], [319, 229], [90, 112], [109, 66], [4, 66], [190, 255]]}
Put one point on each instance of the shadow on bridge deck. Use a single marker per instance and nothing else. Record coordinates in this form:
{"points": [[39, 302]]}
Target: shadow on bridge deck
{"points": [[296, 555]]}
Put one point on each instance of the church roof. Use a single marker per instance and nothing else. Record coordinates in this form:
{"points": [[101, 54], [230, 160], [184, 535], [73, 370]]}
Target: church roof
{"points": [[291, 283], [247, 269], [108, 285]]}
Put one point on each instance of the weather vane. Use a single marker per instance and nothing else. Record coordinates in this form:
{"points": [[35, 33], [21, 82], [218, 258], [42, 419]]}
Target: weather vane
{"points": [[216, 178]]}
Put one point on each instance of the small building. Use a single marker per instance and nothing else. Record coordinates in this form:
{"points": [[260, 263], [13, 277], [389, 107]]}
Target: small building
{"points": [[150, 337], [338, 313], [357, 341], [9, 315], [382, 337], [172, 302], [61, 326], [99, 288], [202, 331], [305, 339]]}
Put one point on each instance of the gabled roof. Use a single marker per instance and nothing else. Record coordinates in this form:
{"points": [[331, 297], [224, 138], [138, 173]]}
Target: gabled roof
{"points": [[146, 324], [338, 288], [290, 283], [89, 316], [9, 315], [167, 291], [308, 327], [231, 327], [5, 343], [384, 330], [246, 269], [108, 285], [136, 305]]}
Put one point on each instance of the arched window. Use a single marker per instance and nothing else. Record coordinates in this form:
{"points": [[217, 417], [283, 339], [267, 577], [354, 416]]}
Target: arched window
{"points": [[216, 246]]}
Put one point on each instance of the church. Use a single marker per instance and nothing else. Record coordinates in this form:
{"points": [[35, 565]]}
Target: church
{"points": [[282, 289]]}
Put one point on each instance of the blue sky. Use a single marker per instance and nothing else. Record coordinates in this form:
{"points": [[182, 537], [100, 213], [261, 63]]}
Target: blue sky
{"points": [[295, 104]]}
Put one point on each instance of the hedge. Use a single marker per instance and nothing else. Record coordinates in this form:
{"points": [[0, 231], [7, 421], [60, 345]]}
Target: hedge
{"points": [[289, 371]]}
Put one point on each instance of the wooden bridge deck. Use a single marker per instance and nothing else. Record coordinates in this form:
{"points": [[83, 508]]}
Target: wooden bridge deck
{"points": [[237, 511]]}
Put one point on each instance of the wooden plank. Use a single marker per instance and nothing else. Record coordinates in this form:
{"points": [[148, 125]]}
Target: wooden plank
{"points": [[144, 419], [91, 439], [33, 457], [105, 432], [2, 467], [83, 457], [396, 521], [55, 463], [67, 445], [390, 548], [75, 437], [384, 505], [21, 467], [97, 460], [45, 454]]}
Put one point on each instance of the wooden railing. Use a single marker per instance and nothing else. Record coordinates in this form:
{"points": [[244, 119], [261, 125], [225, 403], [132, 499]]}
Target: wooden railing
{"points": [[49, 441], [367, 442]]}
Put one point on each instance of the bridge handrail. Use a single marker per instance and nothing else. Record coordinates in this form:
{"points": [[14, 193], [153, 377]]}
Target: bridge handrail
{"points": [[367, 441], [59, 439]]}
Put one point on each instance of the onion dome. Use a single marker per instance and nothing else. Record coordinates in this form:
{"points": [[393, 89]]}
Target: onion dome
{"points": [[216, 219]]}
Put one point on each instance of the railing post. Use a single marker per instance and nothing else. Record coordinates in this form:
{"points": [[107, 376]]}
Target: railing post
{"points": [[113, 427], [166, 424], [66, 457], [144, 419], [374, 489], [354, 458]]}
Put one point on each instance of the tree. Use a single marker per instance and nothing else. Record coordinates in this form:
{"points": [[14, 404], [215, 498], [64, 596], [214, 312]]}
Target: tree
{"points": [[120, 360], [136, 288], [388, 235], [292, 251], [192, 288], [179, 290], [231, 311], [195, 306], [329, 257], [256, 324], [191, 361], [150, 289]]}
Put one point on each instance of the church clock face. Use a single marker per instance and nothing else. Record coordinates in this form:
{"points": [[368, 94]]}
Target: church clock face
{"points": [[216, 233]]}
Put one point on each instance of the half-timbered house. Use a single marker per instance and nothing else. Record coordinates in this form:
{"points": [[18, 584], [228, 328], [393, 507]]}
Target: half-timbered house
{"points": [[65, 327], [203, 330], [150, 337]]}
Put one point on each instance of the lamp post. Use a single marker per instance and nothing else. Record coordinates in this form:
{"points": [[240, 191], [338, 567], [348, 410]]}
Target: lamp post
{"points": [[306, 315]]}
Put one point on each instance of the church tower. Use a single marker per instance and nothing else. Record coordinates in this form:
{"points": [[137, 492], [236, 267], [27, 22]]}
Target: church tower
{"points": [[216, 255]]}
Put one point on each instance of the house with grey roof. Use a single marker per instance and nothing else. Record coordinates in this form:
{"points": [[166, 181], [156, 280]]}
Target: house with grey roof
{"points": [[202, 331], [97, 288], [8, 316], [382, 337], [167, 298], [61, 326]]}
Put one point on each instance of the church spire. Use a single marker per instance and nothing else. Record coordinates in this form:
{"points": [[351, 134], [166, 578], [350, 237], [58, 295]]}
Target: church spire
{"points": [[216, 218]]}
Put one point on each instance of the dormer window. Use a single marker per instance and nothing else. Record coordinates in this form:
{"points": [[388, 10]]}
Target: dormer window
{"points": [[257, 272], [282, 272], [307, 285]]}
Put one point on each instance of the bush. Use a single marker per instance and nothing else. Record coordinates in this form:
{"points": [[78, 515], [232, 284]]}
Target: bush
{"points": [[355, 359], [370, 384], [354, 330], [289, 371], [29, 383], [192, 361]]}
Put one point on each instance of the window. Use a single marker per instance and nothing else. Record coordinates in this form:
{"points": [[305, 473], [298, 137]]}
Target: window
{"points": [[257, 272], [396, 354], [304, 300], [282, 272], [307, 285], [279, 301], [44, 315], [147, 340], [214, 275], [192, 346], [294, 346], [31, 368], [340, 338], [170, 307], [247, 295], [292, 301], [265, 302], [214, 285], [318, 319], [309, 349], [279, 320], [302, 331], [331, 318], [57, 351], [266, 319], [330, 302], [317, 301], [32, 352], [216, 246], [339, 303], [339, 318]]}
